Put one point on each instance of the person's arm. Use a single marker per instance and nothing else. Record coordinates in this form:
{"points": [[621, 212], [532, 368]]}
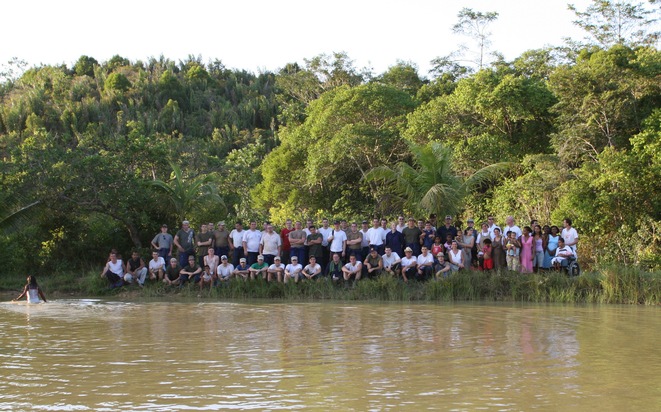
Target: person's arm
{"points": [[344, 246], [25, 290], [142, 264]]}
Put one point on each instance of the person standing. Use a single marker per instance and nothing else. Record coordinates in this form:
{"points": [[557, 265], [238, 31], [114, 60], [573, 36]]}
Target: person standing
{"points": [[285, 250], [162, 242], [297, 239], [184, 240], [315, 240], [412, 237], [569, 234], [270, 244], [236, 243], [354, 242], [221, 238], [325, 231], [203, 241], [251, 239], [338, 241]]}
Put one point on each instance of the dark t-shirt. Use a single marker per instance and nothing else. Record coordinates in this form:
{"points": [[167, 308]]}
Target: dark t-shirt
{"points": [[173, 272], [186, 239], [316, 250], [411, 235]]}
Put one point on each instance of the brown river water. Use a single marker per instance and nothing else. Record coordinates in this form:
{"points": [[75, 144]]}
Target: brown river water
{"points": [[103, 355]]}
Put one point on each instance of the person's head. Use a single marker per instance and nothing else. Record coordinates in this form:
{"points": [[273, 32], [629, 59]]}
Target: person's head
{"points": [[533, 223], [354, 227], [388, 250], [211, 251], [336, 257], [511, 234], [260, 259], [221, 225], [428, 225], [509, 221], [448, 238], [210, 226], [238, 226], [448, 220], [185, 224], [441, 257], [491, 220], [343, 223], [555, 230], [32, 280], [242, 261], [546, 229], [421, 224], [324, 222], [384, 223], [567, 222], [207, 268], [400, 220], [437, 240], [373, 252], [313, 229], [365, 225], [174, 262], [561, 241], [352, 259], [496, 232], [424, 250], [253, 225], [408, 251], [294, 260], [336, 224], [375, 222], [487, 241], [276, 260], [469, 231], [527, 230], [485, 228], [191, 260], [135, 254], [454, 245], [223, 260], [164, 228], [537, 229], [269, 228], [288, 223], [313, 259], [411, 222], [432, 218], [154, 255], [203, 227]]}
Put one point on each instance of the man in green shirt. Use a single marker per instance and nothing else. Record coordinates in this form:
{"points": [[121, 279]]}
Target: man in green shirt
{"points": [[259, 268]]}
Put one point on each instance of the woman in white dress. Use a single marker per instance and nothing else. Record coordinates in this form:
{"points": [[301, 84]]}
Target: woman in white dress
{"points": [[33, 291]]}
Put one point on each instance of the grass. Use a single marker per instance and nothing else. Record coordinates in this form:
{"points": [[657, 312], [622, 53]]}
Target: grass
{"points": [[609, 284]]}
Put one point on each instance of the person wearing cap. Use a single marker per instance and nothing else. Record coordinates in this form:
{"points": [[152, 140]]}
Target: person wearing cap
{"points": [[391, 262], [236, 243], [192, 271], [312, 270], [353, 269], [251, 239], [442, 267], [270, 245], [171, 277], [409, 265], [425, 264], [156, 267], [447, 229], [221, 239], [374, 263], [225, 270], [163, 242], [337, 240], [411, 235], [242, 270], [258, 268], [277, 270], [184, 240], [293, 270]]}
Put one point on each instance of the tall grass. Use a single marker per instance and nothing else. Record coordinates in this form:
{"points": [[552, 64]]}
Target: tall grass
{"points": [[609, 284]]}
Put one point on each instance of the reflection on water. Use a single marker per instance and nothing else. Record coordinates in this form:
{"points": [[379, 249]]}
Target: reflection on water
{"points": [[104, 355]]}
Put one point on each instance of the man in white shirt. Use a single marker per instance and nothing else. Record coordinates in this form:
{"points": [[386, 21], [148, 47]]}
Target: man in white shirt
{"points": [[391, 262], [251, 239], [511, 227], [569, 234], [409, 265], [425, 263], [156, 267], [375, 235], [491, 222], [562, 254], [236, 243], [401, 224], [312, 270], [325, 231], [277, 270], [293, 270], [338, 241], [270, 244], [224, 270], [352, 269]]}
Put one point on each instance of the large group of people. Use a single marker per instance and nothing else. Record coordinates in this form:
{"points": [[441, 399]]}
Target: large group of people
{"points": [[408, 249]]}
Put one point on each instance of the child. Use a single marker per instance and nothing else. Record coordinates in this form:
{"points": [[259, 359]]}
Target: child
{"points": [[33, 291], [206, 277], [513, 251], [487, 259]]}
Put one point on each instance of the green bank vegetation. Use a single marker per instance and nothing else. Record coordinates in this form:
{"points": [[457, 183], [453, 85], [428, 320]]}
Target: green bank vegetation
{"points": [[98, 155]]}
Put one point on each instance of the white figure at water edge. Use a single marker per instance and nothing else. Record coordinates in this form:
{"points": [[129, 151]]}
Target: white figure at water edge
{"points": [[33, 291]]}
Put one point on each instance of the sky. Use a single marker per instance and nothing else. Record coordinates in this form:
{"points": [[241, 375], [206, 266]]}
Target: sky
{"points": [[261, 35]]}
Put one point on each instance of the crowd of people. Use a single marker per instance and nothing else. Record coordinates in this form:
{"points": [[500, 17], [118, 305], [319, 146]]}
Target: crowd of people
{"points": [[408, 249]]}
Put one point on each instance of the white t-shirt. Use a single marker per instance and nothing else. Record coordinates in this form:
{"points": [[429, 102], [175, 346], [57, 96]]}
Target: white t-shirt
{"points": [[570, 236], [237, 237], [406, 262], [270, 242], [339, 236], [357, 266], [457, 258], [275, 267], [225, 271], [389, 261], [422, 259], [366, 240], [325, 232], [212, 262], [514, 229], [375, 236], [252, 239], [312, 269], [400, 228], [116, 268], [293, 269], [157, 264]]}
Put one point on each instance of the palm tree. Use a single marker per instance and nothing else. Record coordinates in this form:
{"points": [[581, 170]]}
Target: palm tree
{"points": [[185, 193], [14, 211], [429, 185]]}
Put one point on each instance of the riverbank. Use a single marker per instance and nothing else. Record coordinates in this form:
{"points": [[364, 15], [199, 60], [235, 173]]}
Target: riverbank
{"points": [[618, 285]]}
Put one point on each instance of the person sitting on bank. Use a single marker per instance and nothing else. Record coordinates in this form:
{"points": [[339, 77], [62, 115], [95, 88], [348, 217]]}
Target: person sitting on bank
{"points": [[225, 270], [206, 278], [373, 263], [442, 267], [32, 290], [242, 270], [171, 277], [409, 265], [334, 268], [562, 255], [136, 268], [156, 266], [259, 268], [191, 272], [352, 269], [312, 270], [114, 271], [425, 264], [391, 262], [276, 270], [293, 270]]}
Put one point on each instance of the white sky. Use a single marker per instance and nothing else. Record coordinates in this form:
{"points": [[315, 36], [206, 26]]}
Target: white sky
{"points": [[265, 35]]}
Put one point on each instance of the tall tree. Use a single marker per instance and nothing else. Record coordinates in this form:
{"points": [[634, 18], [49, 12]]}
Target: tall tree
{"points": [[475, 25]]}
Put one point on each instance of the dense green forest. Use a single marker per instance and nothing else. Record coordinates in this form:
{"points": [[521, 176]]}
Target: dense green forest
{"points": [[100, 154]]}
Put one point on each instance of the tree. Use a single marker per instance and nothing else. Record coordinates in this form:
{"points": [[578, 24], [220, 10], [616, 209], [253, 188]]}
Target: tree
{"points": [[85, 66], [429, 185], [402, 76], [475, 25], [612, 23]]}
